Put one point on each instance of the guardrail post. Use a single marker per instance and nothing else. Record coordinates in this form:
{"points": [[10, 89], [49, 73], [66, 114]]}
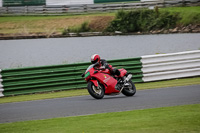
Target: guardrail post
{"points": [[85, 8], [183, 2], [44, 9], [64, 9], [26, 9], [7, 10], [104, 7], [122, 6], [1, 86], [163, 2]]}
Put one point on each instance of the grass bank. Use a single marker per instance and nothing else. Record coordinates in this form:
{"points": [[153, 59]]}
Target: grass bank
{"points": [[28, 25], [188, 15], [70, 93], [50, 24], [178, 119]]}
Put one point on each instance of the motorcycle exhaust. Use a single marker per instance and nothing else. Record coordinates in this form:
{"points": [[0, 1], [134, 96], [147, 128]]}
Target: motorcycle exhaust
{"points": [[128, 78], [125, 81]]}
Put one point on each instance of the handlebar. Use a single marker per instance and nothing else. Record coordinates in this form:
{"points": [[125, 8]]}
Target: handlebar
{"points": [[99, 69]]}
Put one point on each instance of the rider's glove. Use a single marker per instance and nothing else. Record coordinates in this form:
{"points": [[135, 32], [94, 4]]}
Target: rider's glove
{"points": [[107, 66], [103, 67]]}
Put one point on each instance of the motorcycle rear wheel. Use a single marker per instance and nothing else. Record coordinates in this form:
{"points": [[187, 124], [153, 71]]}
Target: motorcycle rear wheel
{"points": [[130, 90], [96, 92]]}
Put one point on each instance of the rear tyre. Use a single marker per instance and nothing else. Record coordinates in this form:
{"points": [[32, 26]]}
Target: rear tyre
{"points": [[130, 89], [96, 92]]}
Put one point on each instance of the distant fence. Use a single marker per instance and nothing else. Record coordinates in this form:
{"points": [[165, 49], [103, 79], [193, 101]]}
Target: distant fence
{"points": [[43, 2], [63, 77], [54, 2], [60, 9]]}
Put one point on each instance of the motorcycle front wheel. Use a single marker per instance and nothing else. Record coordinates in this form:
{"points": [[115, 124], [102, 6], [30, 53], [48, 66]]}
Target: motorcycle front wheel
{"points": [[96, 92], [130, 89]]}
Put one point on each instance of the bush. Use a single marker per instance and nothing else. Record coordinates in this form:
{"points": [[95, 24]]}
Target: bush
{"points": [[142, 20]]}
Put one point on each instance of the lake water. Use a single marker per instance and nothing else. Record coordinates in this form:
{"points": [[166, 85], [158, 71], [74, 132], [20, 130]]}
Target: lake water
{"points": [[54, 51]]}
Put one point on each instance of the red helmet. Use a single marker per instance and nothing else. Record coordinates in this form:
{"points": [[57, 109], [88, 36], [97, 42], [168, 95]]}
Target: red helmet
{"points": [[95, 58]]}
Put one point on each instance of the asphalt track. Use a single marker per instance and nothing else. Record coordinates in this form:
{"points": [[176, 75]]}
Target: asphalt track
{"points": [[85, 105]]}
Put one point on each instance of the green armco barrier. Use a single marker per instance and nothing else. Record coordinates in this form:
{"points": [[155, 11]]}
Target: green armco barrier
{"points": [[58, 77], [23, 2], [43, 2], [107, 1]]}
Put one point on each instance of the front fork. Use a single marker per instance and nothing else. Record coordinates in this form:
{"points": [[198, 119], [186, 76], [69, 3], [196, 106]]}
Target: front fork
{"points": [[96, 83]]}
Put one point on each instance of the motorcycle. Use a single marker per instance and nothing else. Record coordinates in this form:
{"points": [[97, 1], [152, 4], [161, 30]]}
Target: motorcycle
{"points": [[101, 82]]}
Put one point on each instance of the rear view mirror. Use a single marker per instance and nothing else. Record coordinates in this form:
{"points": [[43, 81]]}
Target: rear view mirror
{"points": [[82, 75]]}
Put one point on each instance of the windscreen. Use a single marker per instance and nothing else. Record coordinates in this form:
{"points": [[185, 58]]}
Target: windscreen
{"points": [[91, 66]]}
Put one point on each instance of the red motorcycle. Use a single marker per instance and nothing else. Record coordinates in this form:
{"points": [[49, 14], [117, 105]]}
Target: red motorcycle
{"points": [[101, 82]]}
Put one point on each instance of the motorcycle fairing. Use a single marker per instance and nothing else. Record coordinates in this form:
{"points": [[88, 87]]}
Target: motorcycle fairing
{"points": [[95, 82], [108, 82]]}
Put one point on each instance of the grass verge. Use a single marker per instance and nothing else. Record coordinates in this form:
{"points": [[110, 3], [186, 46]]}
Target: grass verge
{"points": [[178, 119], [188, 15], [80, 92]]}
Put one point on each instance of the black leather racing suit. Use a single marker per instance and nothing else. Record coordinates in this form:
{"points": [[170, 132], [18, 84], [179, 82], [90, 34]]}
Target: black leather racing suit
{"points": [[113, 71]]}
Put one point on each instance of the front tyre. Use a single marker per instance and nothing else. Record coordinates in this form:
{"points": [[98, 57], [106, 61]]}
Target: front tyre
{"points": [[96, 92], [129, 89]]}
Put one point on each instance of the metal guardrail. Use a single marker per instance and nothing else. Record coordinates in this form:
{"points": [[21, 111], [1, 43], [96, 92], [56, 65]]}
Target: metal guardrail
{"points": [[170, 66], [54, 9], [62, 77], [58, 77]]}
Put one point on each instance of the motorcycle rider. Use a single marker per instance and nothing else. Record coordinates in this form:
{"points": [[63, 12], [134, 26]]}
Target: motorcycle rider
{"points": [[102, 63]]}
